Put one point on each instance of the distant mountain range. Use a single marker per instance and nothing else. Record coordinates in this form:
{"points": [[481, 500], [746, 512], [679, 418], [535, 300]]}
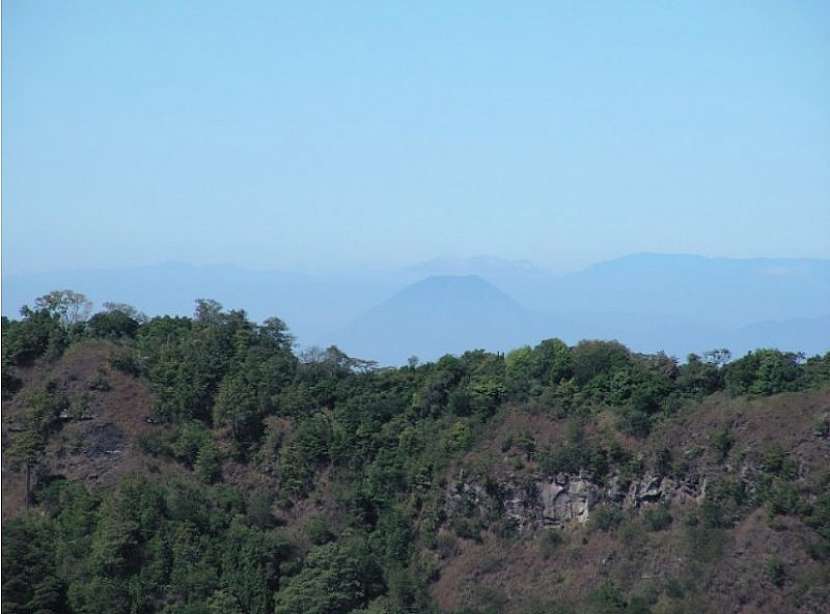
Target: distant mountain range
{"points": [[651, 302]]}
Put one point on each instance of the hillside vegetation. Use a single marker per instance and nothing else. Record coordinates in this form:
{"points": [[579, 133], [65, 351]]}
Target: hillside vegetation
{"points": [[201, 465]]}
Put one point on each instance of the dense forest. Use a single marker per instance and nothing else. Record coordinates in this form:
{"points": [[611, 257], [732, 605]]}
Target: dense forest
{"points": [[203, 465]]}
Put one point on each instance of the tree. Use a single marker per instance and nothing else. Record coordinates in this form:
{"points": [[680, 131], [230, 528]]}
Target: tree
{"points": [[30, 582], [208, 465], [764, 372], [71, 307], [335, 578], [40, 417], [38, 333], [113, 324], [519, 364], [698, 377], [207, 311], [127, 310], [26, 451], [591, 359], [553, 357], [276, 331]]}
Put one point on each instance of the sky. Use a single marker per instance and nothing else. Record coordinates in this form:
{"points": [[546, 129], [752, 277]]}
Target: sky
{"points": [[319, 136]]}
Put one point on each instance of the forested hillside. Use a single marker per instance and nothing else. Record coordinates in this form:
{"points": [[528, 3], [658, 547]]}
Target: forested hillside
{"points": [[201, 465]]}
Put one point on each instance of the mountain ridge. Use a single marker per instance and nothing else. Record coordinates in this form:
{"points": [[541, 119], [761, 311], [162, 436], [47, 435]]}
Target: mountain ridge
{"points": [[682, 302]]}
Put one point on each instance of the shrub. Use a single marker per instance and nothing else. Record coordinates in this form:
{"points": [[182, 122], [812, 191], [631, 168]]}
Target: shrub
{"points": [[776, 572], [317, 531], [124, 360], [100, 383], [704, 544], [657, 518], [207, 465], [152, 443], [722, 442], [712, 514], [467, 528], [459, 437], [506, 528], [819, 516], [577, 453], [189, 439], [607, 599], [605, 518], [446, 545], [778, 463], [549, 542], [527, 444], [783, 498], [634, 422], [663, 465], [258, 510]]}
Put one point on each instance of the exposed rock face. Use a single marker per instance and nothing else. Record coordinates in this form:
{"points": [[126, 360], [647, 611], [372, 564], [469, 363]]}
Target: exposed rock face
{"points": [[554, 501], [566, 498]]}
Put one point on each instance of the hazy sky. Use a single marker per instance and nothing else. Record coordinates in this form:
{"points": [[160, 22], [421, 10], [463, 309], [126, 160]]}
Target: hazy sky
{"points": [[324, 135]]}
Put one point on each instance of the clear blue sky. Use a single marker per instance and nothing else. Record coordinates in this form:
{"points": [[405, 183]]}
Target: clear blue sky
{"points": [[325, 135]]}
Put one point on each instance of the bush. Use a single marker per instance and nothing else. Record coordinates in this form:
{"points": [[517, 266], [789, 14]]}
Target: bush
{"points": [[657, 518], [722, 442], [459, 437], [152, 443], [704, 544], [776, 572], [189, 439], [208, 466], [446, 545], [467, 528], [124, 360], [783, 498], [258, 510], [605, 518], [634, 422], [776, 462], [607, 599], [317, 531], [527, 444], [712, 514], [577, 453], [100, 383], [549, 542], [819, 516]]}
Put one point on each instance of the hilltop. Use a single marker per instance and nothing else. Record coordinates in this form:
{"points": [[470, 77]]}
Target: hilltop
{"points": [[674, 303]]}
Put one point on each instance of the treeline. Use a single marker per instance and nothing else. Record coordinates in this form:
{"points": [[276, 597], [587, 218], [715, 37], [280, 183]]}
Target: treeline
{"points": [[227, 388]]}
